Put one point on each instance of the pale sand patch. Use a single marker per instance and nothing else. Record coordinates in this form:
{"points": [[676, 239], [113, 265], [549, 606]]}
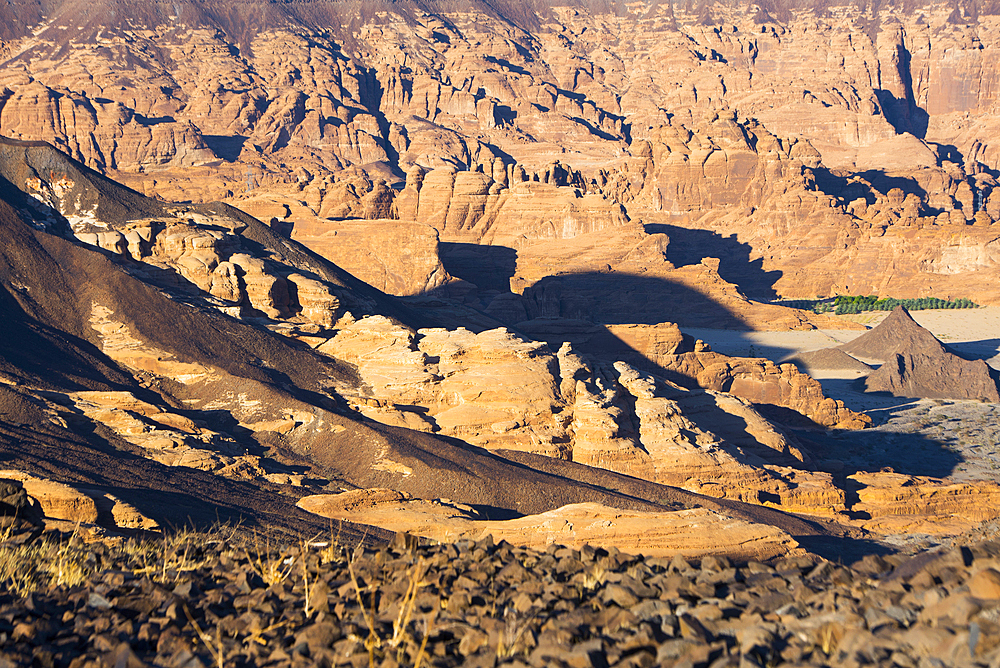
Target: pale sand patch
{"points": [[969, 331], [775, 346]]}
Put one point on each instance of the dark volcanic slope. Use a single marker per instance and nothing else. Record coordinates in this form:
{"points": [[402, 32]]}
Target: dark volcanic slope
{"points": [[173, 496], [242, 20], [35, 352], [899, 331], [89, 191], [934, 376], [23, 160], [51, 286]]}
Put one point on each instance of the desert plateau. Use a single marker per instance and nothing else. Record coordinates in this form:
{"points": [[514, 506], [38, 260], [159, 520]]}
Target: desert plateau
{"points": [[578, 333]]}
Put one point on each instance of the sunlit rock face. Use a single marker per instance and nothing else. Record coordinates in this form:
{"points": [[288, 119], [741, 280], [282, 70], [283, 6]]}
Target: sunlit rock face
{"points": [[554, 189], [846, 151]]}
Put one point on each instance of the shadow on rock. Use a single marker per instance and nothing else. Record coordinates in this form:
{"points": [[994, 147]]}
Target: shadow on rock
{"points": [[225, 147], [869, 450], [869, 185], [842, 549], [689, 246], [613, 298], [488, 267]]}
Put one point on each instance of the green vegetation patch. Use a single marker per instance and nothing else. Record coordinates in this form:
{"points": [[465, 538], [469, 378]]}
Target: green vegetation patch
{"points": [[844, 304]]}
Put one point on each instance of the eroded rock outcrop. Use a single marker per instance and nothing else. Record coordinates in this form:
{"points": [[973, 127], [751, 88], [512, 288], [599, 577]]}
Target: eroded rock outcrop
{"points": [[395, 256], [895, 503], [18, 511], [669, 411], [498, 390], [108, 355], [665, 350], [560, 130]]}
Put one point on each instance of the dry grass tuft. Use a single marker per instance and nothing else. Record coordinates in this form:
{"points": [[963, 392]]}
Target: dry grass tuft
{"points": [[53, 560]]}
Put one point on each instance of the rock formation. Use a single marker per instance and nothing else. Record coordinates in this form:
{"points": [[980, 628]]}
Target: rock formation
{"points": [[641, 400], [927, 375], [690, 533], [663, 349], [899, 504], [215, 352], [916, 364], [498, 390], [551, 197], [18, 511], [396, 257], [91, 511], [515, 125], [279, 351]]}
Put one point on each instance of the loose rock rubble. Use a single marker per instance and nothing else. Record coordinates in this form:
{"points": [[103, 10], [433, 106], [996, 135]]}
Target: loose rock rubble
{"points": [[216, 599]]}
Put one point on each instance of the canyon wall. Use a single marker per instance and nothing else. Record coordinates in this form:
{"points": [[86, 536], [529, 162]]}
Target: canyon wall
{"points": [[813, 150]]}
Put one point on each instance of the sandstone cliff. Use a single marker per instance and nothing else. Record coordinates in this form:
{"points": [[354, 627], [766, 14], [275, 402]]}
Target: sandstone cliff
{"points": [[551, 167], [816, 151], [196, 343], [198, 340]]}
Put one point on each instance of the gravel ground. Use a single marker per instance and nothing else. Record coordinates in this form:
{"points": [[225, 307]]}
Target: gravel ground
{"points": [[216, 600]]}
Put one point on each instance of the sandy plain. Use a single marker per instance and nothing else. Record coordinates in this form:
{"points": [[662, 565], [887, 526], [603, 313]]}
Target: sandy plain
{"points": [[971, 332]]}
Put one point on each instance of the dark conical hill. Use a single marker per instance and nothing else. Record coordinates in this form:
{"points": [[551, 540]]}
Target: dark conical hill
{"points": [[916, 364], [929, 376], [899, 331]]}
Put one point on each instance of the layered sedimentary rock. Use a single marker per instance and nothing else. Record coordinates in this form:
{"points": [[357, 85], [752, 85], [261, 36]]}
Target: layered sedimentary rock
{"points": [[490, 389], [498, 390], [686, 532], [665, 350], [898, 503], [164, 436], [394, 256], [94, 511], [57, 500], [222, 382], [815, 152], [208, 332]]}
